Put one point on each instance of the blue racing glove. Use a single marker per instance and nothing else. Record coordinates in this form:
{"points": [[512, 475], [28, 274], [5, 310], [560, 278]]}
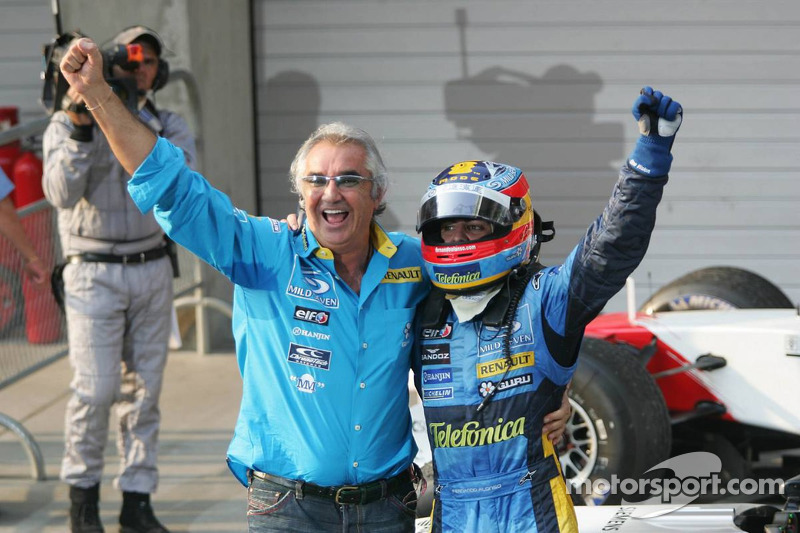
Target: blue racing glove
{"points": [[651, 156]]}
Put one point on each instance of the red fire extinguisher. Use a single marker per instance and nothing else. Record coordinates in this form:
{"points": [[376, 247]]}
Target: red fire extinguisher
{"points": [[8, 152], [42, 315], [11, 303]]}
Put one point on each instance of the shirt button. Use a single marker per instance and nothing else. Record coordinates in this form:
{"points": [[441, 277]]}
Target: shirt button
{"points": [[364, 345], [363, 385], [358, 427], [355, 464]]}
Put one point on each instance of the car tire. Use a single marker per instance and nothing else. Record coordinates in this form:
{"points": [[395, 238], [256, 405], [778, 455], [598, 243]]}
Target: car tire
{"points": [[717, 288], [619, 423]]}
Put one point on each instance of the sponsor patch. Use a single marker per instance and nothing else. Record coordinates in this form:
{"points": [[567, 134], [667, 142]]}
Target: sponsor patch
{"points": [[498, 366], [457, 275], [300, 332], [312, 315], [486, 387], [474, 433], [276, 226], [521, 337], [437, 377], [308, 356], [435, 354], [312, 284], [437, 394], [432, 333], [403, 275], [306, 383]]}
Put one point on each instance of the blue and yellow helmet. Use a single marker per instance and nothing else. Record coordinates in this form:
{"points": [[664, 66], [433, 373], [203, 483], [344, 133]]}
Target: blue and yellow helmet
{"points": [[494, 192]]}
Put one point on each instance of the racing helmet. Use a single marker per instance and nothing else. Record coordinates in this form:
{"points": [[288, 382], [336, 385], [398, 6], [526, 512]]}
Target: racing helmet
{"points": [[494, 192]]}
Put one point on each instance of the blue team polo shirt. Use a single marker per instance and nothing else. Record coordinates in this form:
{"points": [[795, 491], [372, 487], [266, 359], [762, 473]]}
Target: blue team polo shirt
{"points": [[324, 370]]}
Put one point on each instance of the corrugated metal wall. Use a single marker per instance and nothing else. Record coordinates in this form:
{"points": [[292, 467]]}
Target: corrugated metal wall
{"points": [[547, 85], [25, 25]]}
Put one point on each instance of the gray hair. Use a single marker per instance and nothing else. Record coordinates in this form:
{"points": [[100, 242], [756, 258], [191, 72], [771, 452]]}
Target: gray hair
{"points": [[338, 133]]}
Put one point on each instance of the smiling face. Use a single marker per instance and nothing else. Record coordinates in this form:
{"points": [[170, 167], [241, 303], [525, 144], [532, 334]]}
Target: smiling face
{"points": [[339, 217]]}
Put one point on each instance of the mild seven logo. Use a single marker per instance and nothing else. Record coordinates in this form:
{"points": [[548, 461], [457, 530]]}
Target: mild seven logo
{"points": [[313, 284]]}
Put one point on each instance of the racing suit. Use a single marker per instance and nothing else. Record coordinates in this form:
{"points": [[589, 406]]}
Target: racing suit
{"points": [[494, 471], [118, 313]]}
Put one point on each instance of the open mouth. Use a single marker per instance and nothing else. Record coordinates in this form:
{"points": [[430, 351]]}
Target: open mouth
{"points": [[335, 216]]}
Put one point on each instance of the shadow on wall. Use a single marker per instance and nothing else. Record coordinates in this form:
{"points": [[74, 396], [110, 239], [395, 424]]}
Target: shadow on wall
{"points": [[291, 112], [520, 119], [541, 124]]}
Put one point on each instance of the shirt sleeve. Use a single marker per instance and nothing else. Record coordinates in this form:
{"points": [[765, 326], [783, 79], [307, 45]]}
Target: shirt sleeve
{"points": [[67, 162], [203, 220]]}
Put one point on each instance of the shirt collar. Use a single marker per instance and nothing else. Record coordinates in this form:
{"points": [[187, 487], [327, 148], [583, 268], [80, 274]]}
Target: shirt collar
{"points": [[384, 243]]}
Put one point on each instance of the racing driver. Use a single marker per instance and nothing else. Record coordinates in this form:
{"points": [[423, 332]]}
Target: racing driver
{"points": [[499, 334]]}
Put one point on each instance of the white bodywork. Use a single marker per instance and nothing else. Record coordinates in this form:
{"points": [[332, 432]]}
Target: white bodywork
{"points": [[761, 383]]}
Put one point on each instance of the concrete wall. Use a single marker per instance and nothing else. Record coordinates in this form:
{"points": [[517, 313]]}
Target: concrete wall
{"points": [[25, 25], [211, 85]]}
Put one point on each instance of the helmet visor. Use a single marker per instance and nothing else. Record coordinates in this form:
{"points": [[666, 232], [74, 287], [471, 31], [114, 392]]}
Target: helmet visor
{"points": [[458, 200]]}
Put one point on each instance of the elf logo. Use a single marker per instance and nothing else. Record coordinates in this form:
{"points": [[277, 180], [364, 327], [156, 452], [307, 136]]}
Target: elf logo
{"points": [[312, 315], [444, 333]]}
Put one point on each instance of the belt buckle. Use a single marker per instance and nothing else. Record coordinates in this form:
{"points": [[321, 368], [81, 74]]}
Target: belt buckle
{"points": [[350, 488]]}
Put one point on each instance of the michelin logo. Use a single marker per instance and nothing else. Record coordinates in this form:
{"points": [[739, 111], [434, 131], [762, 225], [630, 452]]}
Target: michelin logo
{"points": [[437, 394]]}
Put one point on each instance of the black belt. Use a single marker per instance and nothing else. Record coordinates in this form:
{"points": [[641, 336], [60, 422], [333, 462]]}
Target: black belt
{"points": [[141, 257], [346, 494]]}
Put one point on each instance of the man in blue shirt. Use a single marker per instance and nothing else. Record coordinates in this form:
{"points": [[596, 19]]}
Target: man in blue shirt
{"points": [[322, 320]]}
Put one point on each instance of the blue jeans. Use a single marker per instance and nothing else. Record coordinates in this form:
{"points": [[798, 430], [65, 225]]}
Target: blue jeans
{"points": [[272, 507]]}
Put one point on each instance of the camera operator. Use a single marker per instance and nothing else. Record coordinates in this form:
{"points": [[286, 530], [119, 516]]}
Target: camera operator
{"points": [[118, 292]]}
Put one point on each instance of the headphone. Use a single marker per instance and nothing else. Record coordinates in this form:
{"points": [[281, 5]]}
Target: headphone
{"points": [[162, 75]]}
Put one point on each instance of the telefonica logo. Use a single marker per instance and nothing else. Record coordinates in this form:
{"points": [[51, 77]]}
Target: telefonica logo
{"points": [[453, 279], [472, 434]]}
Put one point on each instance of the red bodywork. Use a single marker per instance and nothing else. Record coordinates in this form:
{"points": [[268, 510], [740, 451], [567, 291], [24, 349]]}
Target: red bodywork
{"points": [[681, 391]]}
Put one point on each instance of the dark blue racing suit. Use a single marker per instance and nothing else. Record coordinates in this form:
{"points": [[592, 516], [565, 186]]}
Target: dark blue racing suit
{"points": [[494, 471]]}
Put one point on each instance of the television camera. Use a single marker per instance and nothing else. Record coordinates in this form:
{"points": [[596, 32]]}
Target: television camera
{"points": [[54, 92]]}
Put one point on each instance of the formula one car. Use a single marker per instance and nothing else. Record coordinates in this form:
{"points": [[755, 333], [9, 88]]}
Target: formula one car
{"points": [[711, 362]]}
